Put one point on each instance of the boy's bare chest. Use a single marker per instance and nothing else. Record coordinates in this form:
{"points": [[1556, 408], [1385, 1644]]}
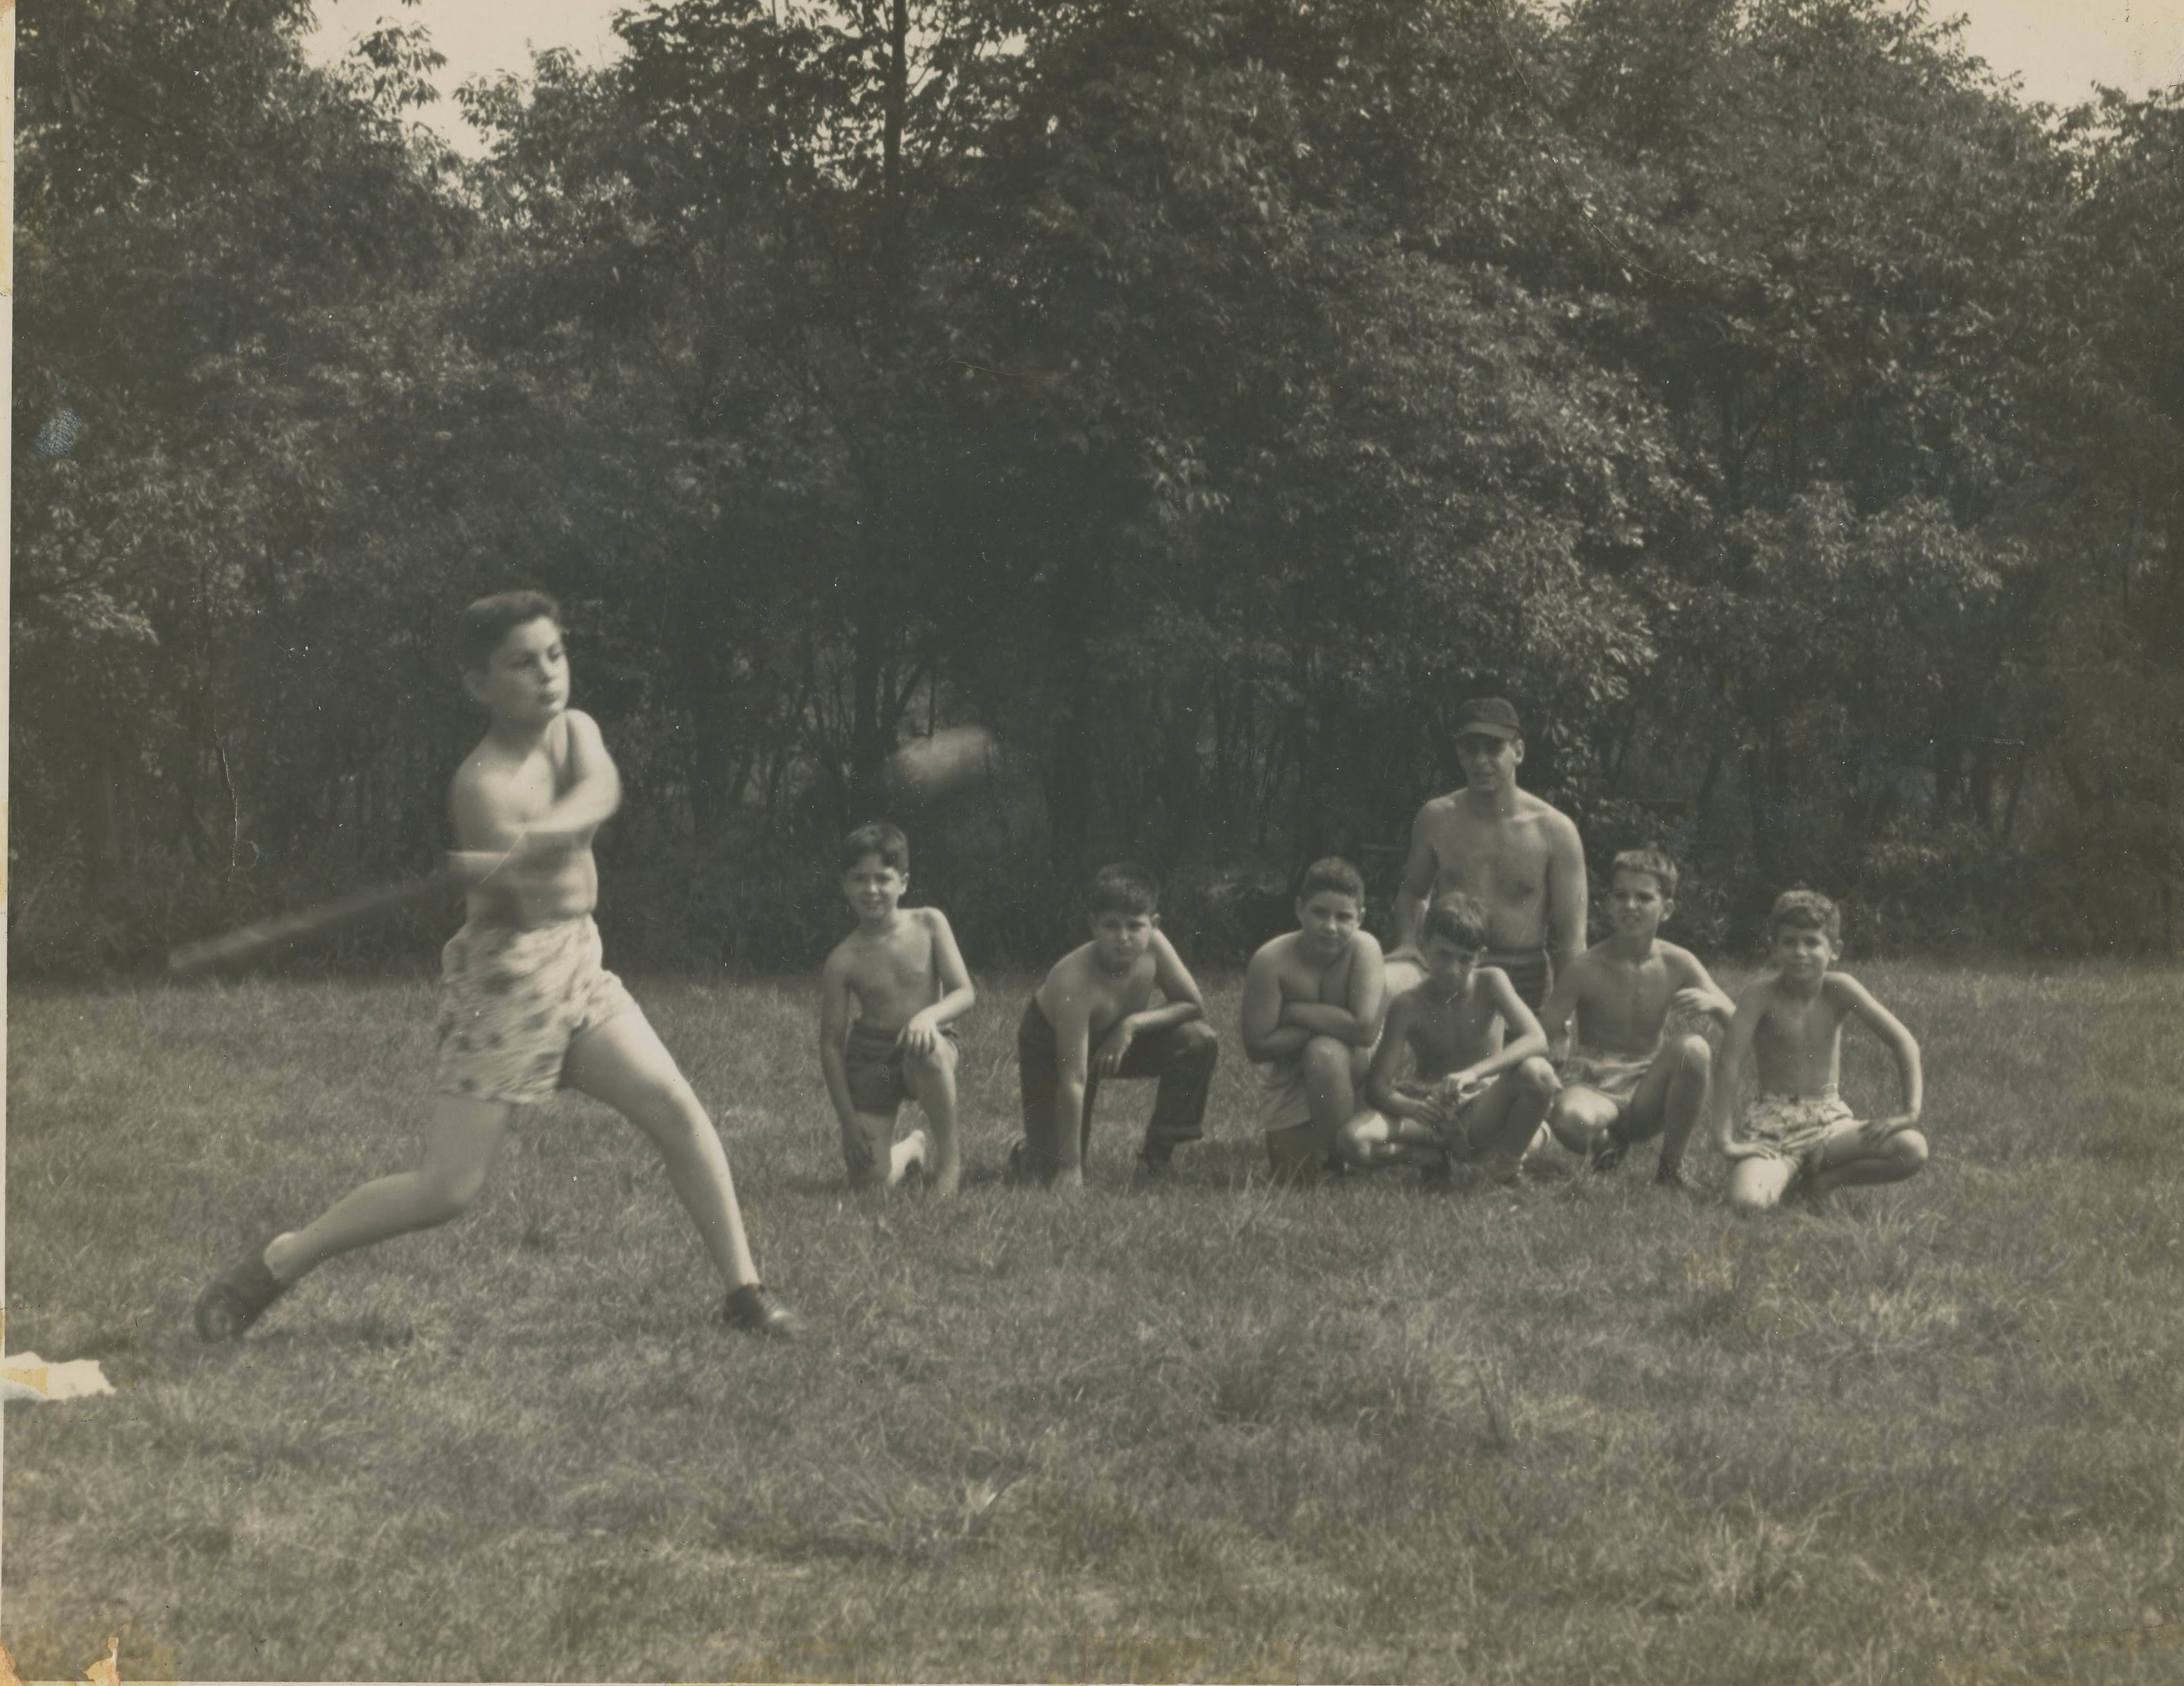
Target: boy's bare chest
{"points": [[1799, 1030], [894, 966], [1452, 1035], [1628, 997], [1301, 981]]}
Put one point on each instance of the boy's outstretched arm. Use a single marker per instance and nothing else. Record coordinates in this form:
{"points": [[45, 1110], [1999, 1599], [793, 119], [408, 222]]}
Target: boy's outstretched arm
{"points": [[921, 1033], [833, 1034], [1736, 1047], [1181, 1005], [1072, 1038], [1903, 1044]]}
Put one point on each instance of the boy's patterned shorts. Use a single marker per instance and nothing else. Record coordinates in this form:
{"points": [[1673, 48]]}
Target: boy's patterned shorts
{"points": [[1617, 1075], [1797, 1126], [512, 1000]]}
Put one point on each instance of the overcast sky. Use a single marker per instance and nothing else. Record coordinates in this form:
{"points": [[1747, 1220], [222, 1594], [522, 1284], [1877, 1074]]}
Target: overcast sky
{"points": [[2057, 48]]}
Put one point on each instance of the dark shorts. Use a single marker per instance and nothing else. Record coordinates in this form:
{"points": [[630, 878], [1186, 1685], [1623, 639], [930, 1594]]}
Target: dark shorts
{"points": [[873, 1059], [1528, 974]]}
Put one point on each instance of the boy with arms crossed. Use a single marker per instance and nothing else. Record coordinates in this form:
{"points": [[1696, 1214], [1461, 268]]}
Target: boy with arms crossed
{"points": [[1621, 1083], [1092, 1019], [1475, 1097], [1313, 1001], [525, 1006], [902, 973], [1800, 1141]]}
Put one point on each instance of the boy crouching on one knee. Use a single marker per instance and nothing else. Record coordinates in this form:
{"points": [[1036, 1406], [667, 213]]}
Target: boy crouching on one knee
{"points": [[903, 975], [1799, 1140], [1094, 1019], [1469, 1101], [1623, 1081]]}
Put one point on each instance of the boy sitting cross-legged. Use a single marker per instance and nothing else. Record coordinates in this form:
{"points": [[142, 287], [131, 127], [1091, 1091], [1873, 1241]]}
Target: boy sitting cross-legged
{"points": [[1621, 1082], [1313, 1001], [1475, 1097], [526, 1008], [1800, 1140], [901, 972], [1092, 1019]]}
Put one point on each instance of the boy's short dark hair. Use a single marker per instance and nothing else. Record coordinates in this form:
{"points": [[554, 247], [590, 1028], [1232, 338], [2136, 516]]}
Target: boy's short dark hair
{"points": [[1651, 861], [1333, 873], [1807, 910], [877, 837], [1457, 918], [480, 628], [1123, 888]]}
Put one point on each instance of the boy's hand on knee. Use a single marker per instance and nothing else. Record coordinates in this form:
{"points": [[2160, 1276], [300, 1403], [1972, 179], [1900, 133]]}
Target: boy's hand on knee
{"points": [[1114, 1047], [920, 1036]]}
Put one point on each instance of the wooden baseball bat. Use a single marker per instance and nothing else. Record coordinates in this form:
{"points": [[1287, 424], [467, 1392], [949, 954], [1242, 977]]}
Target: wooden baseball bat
{"points": [[249, 941]]}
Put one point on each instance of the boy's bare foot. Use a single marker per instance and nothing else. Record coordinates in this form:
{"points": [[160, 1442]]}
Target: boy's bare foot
{"points": [[236, 1299], [753, 1309], [910, 1156]]}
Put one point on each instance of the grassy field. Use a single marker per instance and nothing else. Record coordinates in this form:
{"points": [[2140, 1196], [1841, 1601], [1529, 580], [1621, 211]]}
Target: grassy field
{"points": [[1585, 1431]]}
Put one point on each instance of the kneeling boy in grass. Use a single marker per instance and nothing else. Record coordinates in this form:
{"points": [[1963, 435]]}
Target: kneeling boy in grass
{"points": [[1480, 1087], [1313, 1001], [1094, 1019], [902, 974], [525, 1006], [1622, 1083], [1799, 1140]]}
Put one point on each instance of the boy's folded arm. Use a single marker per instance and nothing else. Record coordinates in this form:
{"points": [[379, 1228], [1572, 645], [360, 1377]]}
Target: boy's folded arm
{"points": [[595, 791], [1323, 1018], [1265, 1037]]}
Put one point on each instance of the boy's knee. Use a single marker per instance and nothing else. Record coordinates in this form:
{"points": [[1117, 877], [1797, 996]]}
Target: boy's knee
{"points": [[941, 1058], [1195, 1043], [1536, 1077], [1695, 1054], [444, 1198], [1325, 1057], [1354, 1140], [1909, 1149]]}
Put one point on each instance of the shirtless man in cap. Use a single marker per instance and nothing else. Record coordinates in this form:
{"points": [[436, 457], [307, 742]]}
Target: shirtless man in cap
{"points": [[1516, 854]]}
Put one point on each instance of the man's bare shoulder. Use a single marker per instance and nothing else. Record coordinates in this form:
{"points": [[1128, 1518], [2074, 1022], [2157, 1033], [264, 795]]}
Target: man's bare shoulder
{"points": [[1435, 809], [1550, 819]]}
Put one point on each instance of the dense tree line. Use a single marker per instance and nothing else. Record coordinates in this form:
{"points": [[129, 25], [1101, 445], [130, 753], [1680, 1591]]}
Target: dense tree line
{"points": [[1205, 395]]}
